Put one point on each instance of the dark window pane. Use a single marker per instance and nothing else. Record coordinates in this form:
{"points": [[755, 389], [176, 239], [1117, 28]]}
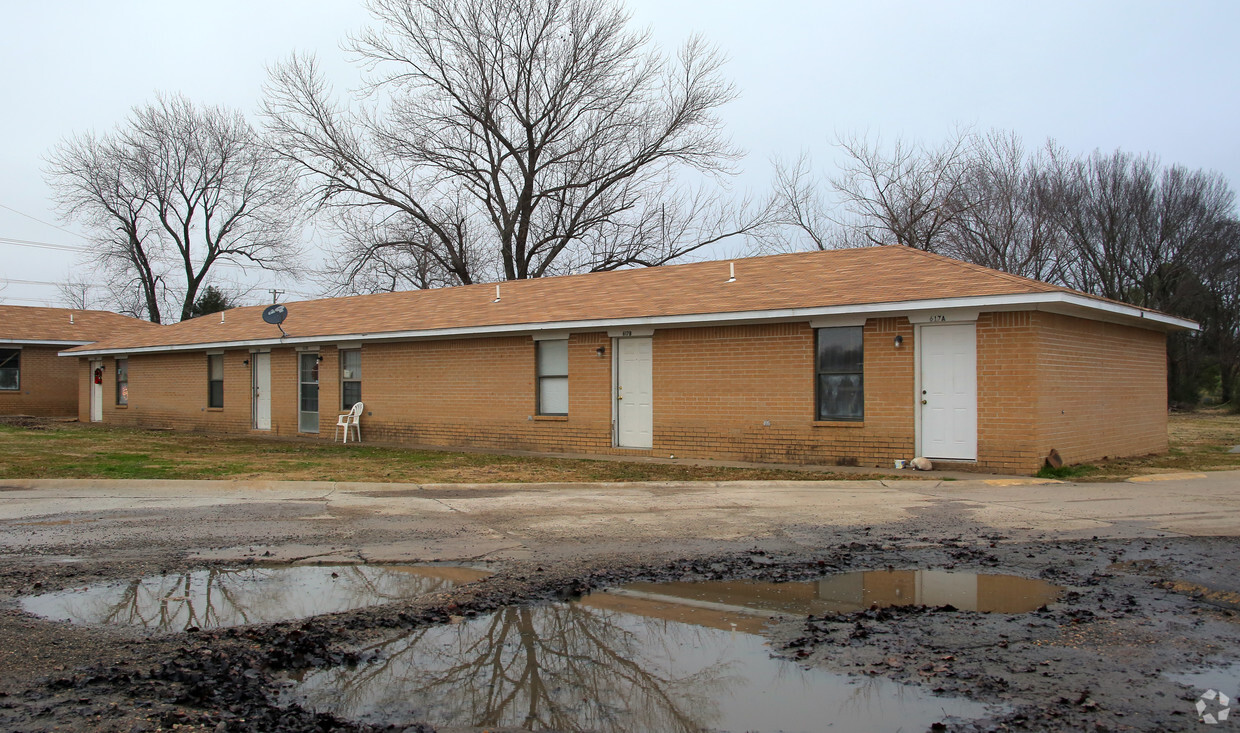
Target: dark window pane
{"points": [[216, 393], [309, 397], [840, 349], [10, 368], [840, 397], [351, 393]]}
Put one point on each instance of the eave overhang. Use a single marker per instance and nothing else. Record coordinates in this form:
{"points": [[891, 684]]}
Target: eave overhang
{"points": [[1064, 303]]}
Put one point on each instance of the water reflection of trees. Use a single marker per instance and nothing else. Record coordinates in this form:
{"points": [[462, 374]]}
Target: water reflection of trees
{"points": [[559, 667], [230, 597]]}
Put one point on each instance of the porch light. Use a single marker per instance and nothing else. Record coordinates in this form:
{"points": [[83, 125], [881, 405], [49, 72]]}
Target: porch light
{"points": [[899, 341], [600, 351]]}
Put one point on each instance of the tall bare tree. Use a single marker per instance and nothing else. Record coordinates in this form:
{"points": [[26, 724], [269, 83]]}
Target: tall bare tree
{"points": [[173, 192], [510, 139], [909, 193], [1008, 221]]}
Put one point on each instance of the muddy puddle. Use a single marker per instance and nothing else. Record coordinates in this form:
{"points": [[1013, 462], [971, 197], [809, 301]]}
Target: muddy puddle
{"points": [[655, 656], [1224, 678], [848, 592], [216, 598]]}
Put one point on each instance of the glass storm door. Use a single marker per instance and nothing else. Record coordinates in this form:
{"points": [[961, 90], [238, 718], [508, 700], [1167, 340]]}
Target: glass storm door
{"points": [[308, 407]]}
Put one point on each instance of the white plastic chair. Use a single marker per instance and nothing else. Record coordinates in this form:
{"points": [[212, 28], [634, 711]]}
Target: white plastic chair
{"points": [[350, 419]]}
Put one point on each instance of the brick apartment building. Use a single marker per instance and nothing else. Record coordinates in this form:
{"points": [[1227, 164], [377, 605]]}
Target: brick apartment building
{"points": [[33, 379], [863, 356]]}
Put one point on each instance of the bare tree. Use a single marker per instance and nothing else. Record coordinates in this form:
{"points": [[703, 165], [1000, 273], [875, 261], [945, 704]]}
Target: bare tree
{"points": [[1007, 223], [909, 194], [1132, 227], [175, 191], [96, 181], [77, 291], [510, 139]]}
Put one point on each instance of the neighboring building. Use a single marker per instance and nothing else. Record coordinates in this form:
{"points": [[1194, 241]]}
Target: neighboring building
{"points": [[851, 356], [33, 379]]}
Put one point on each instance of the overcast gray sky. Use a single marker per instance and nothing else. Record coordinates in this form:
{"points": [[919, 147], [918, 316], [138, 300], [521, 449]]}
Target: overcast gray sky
{"points": [[1157, 77]]}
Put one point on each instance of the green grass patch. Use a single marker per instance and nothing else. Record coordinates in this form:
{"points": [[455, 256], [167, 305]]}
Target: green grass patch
{"points": [[1063, 472]]}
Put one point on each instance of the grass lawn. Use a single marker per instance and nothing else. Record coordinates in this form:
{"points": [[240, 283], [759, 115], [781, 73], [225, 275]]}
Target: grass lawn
{"points": [[32, 448]]}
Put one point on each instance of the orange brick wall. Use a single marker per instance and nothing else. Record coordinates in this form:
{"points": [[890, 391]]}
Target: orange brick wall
{"points": [[47, 384], [714, 390], [1007, 367], [1102, 389]]}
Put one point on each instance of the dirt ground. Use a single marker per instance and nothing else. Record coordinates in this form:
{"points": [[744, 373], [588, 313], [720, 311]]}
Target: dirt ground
{"points": [[1148, 572]]}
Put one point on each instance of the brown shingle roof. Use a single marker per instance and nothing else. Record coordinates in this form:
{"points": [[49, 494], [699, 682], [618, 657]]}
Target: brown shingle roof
{"points": [[28, 323], [802, 280]]}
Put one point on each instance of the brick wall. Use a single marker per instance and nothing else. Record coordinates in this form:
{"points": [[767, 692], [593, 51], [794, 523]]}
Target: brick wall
{"points": [[1007, 389], [47, 384], [715, 390], [1102, 389]]}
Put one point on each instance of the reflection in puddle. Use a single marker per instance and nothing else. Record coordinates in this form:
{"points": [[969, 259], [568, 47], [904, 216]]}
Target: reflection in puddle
{"points": [[1224, 679], [855, 592], [209, 599], [610, 663]]}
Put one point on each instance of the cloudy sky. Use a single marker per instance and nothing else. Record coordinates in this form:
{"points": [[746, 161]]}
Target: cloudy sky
{"points": [[1147, 77]]}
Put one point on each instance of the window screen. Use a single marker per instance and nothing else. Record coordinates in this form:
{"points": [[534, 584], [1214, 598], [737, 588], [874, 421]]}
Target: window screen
{"points": [[215, 380], [841, 394], [10, 368], [350, 378], [553, 377], [122, 381]]}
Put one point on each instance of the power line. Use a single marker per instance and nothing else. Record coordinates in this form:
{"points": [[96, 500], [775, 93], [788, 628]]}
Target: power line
{"points": [[42, 245], [46, 223]]}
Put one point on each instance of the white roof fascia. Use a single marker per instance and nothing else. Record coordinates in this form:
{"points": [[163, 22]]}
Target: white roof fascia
{"points": [[1068, 303], [45, 342]]}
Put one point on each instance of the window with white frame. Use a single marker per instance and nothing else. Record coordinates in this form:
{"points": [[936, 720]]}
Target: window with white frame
{"points": [[215, 380], [839, 369], [552, 377], [350, 378], [122, 381], [10, 369]]}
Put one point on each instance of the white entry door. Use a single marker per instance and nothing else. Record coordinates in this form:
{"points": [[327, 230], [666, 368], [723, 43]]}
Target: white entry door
{"points": [[261, 369], [634, 393], [949, 391], [96, 392]]}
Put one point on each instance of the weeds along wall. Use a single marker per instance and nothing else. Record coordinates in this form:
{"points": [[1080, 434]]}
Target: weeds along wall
{"points": [[728, 393]]}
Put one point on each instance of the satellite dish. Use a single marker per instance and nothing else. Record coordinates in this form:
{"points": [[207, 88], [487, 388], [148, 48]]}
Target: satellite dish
{"points": [[275, 314]]}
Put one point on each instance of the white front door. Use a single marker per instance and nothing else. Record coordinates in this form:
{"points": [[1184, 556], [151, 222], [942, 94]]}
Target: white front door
{"points": [[634, 393], [949, 391], [261, 368], [96, 392]]}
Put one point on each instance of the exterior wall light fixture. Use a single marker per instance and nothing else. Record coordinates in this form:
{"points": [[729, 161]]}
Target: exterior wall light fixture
{"points": [[601, 351], [899, 341]]}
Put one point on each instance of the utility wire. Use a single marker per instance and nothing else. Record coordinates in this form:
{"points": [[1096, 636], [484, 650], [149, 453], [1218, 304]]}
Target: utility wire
{"points": [[46, 223]]}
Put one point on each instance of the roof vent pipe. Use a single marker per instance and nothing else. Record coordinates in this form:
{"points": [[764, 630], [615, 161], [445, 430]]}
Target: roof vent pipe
{"points": [[70, 319], [221, 316], [731, 272], [496, 293]]}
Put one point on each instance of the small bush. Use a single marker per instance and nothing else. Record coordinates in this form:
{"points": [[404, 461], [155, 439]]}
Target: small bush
{"points": [[1062, 472]]}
